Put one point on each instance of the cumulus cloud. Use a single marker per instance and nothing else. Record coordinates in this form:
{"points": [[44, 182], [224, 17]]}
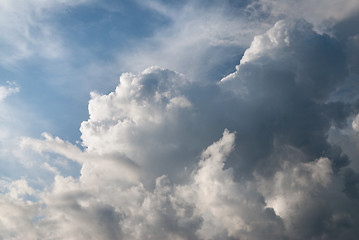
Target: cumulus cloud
{"points": [[211, 205], [229, 209], [298, 194], [286, 90], [152, 166], [140, 119]]}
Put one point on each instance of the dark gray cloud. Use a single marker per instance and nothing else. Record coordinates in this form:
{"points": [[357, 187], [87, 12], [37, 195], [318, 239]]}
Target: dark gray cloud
{"points": [[351, 183], [285, 90]]}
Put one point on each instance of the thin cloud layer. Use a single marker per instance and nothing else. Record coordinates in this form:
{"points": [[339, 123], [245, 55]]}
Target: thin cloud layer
{"points": [[26, 31], [259, 154], [6, 91]]}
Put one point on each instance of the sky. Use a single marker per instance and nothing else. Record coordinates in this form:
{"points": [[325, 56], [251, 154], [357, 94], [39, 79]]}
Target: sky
{"points": [[179, 120]]}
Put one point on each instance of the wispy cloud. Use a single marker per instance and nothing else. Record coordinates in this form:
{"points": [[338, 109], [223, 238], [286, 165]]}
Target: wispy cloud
{"points": [[6, 91], [27, 31]]}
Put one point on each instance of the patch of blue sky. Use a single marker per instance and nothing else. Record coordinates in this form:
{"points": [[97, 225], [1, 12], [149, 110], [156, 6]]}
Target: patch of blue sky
{"points": [[38, 170], [92, 35], [54, 92], [112, 27]]}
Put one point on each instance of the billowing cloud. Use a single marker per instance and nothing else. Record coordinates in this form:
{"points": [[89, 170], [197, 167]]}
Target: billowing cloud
{"points": [[259, 154], [210, 205]]}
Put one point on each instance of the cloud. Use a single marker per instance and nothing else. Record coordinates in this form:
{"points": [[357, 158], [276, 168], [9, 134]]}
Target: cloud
{"points": [[229, 209], [285, 79], [6, 91], [88, 161], [140, 119], [315, 12], [152, 166], [298, 195], [279, 100], [17, 215], [109, 207], [27, 31], [200, 40]]}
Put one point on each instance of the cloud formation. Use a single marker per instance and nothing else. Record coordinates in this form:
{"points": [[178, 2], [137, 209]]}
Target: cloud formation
{"points": [[256, 155]]}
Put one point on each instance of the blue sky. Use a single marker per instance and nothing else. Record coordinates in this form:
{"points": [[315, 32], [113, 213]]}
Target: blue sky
{"points": [[93, 39], [89, 34], [179, 119]]}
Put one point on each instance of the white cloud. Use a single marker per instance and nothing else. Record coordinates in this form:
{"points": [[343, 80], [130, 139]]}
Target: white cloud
{"points": [[102, 164], [282, 34], [198, 39], [140, 175], [315, 12], [139, 119], [27, 32], [211, 205], [6, 91], [228, 208], [292, 186], [55, 145], [17, 215]]}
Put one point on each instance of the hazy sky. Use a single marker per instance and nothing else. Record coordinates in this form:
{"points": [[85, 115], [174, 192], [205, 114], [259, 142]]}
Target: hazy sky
{"points": [[220, 119]]}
